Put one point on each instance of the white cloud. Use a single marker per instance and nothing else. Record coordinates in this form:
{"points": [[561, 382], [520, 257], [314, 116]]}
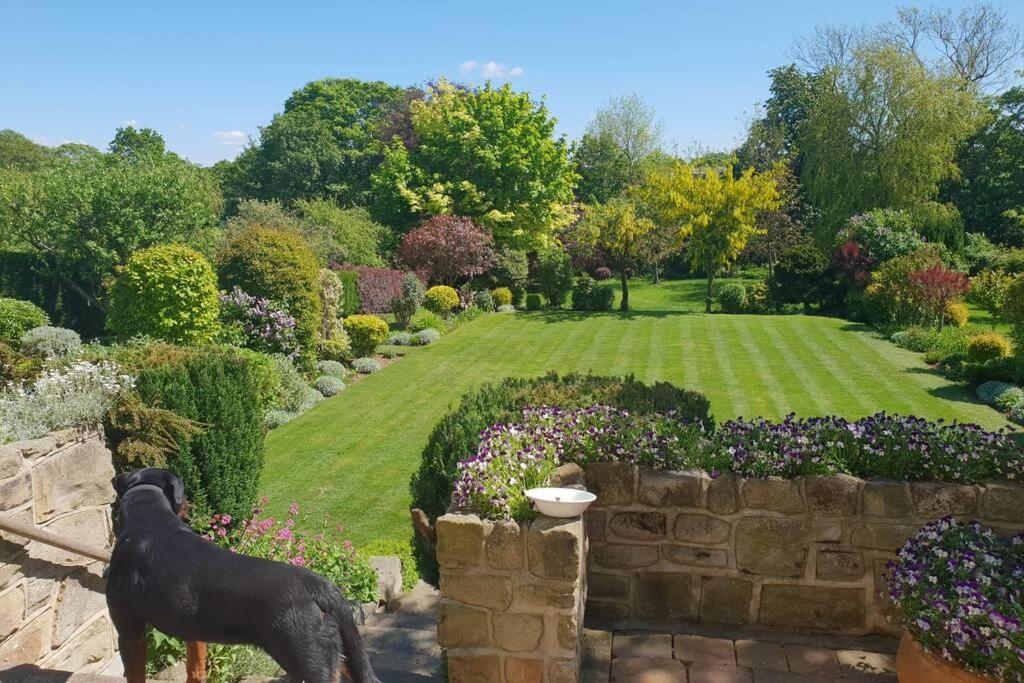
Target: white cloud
{"points": [[130, 122], [235, 138], [51, 142], [491, 69]]}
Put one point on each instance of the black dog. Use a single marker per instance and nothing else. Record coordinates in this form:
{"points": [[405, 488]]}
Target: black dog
{"points": [[163, 574]]}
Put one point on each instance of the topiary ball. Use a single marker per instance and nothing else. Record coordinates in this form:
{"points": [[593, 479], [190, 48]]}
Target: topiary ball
{"points": [[732, 297], [329, 385], [332, 368], [427, 336], [441, 299], [365, 366], [51, 342]]}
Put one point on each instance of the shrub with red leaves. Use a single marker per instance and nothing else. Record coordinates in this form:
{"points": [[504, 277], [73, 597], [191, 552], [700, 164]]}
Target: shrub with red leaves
{"points": [[936, 287], [447, 249], [852, 264], [377, 286]]}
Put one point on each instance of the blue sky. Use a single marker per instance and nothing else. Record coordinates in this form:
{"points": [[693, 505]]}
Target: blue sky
{"points": [[208, 74]]}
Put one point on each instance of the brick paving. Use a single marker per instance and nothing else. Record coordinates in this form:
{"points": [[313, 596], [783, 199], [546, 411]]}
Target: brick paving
{"points": [[634, 656]]}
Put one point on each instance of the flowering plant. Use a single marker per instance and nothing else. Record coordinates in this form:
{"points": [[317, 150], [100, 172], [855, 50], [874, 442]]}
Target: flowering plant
{"points": [[258, 323], [278, 539], [958, 589]]}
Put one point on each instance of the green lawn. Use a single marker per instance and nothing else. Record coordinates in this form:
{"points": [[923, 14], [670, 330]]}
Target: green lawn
{"points": [[352, 455]]}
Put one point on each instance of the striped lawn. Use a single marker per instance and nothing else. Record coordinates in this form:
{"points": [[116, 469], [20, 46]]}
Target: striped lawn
{"points": [[352, 456]]}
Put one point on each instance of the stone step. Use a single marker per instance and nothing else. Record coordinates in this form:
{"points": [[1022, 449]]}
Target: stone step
{"points": [[403, 620], [423, 667], [401, 640], [27, 673], [422, 599]]}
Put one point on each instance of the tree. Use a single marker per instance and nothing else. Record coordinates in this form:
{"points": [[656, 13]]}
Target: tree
{"points": [[605, 170], [800, 276], [620, 233], [341, 235], [783, 228], [488, 154], [137, 143], [988, 290], [715, 213], [18, 153], [775, 135], [632, 124], [447, 250], [937, 287], [883, 133]]}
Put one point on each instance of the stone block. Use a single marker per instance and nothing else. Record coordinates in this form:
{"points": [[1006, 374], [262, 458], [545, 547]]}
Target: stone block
{"points": [[832, 496], [558, 594], [724, 494], [12, 611], [39, 593], [879, 536], [505, 546], [519, 670], [653, 645], [812, 607], [611, 482], [812, 661], [555, 547], [882, 498], [12, 569], [25, 517], [662, 595], [36, 448], [482, 590], [647, 670], [659, 488], [760, 654], [76, 477], [837, 565], [701, 529], [10, 461], [90, 526], [692, 648], [81, 598], [569, 474], [461, 626], [725, 601], [1004, 502], [622, 556], [66, 436], [607, 586], [639, 525], [595, 521], [388, 569], [87, 650], [695, 557], [568, 631], [15, 491], [460, 540], [606, 610], [563, 671], [773, 546], [469, 669], [938, 499], [517, 632], [28, 645], [778, 495]]}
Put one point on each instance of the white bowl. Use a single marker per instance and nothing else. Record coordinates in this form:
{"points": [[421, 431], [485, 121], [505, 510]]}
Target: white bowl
{"points": [[555, 502]]}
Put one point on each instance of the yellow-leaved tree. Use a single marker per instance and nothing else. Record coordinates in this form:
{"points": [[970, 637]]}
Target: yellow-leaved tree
{"points": [[617, 230], [713, 211]]}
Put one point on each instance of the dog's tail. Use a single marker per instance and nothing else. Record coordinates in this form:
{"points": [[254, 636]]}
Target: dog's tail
{"points": [[357, 660]]}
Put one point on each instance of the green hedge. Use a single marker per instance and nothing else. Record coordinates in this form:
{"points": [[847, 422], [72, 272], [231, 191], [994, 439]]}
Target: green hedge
{"points": [[350, 303], [457, 435]]}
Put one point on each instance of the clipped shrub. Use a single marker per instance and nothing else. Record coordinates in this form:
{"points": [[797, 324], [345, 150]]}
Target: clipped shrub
{"points": [[328, 385], [366, 333], [917, 338], [276, 418], [758, 298], [988, 392], [399, 339], [441, 299], [1013, 311], [588, 295], [309, 398], [425, 319], [277, 265], [167, 292], [484, 301], [365, 366], [987, 346], [1009, 399], [502, 296], [602, 273], [801, 276], [18, 317], [408, 302], [534, 302], [507, 308], [950, 344], [331, 292], [337, 347], [350, 304], [51, 342], [332, 368], [427, 336], [732, 297], [377, 287], [554, 275]]}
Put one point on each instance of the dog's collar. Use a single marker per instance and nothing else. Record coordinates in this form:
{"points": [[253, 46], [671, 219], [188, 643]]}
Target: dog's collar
{"points": [[142, 487]]}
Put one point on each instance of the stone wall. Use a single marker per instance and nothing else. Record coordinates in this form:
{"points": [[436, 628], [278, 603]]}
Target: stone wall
{"points": [[803, 554], [52, 606], [512, 598]]}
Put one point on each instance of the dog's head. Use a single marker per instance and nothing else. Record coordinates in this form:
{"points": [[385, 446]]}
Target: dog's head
{"points": [[166, 480]]}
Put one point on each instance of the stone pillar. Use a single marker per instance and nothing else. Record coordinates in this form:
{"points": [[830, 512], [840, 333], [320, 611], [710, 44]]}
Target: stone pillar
{"points": [[53, 612], [512, 598]]}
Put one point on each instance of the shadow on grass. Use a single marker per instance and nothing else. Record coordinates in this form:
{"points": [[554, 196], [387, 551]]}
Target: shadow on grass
{"points": [[553, 315], [952, 392]]}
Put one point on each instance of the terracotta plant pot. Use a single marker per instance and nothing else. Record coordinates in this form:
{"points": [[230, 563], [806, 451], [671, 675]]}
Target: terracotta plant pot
{"points": [[914, 664]]}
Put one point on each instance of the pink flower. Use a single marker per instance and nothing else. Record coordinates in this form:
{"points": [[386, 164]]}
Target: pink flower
{"points": [[347, 545], [264, 500], [222, 532], [298, 561], [226, 519], [289, 522], [284, 535], [293, 509]]}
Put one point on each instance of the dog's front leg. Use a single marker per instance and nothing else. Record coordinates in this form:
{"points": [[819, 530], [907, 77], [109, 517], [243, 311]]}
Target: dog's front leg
{"points": [[195, 662]]}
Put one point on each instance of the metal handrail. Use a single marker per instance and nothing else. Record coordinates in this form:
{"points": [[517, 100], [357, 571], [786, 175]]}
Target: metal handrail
{"points": [[56, 540]]}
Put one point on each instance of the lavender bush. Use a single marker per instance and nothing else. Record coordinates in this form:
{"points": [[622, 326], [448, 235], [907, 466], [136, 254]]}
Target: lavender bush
{"points": [[258, 324], [958, 589]]}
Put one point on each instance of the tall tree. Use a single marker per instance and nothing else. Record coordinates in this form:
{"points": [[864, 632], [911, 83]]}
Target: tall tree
{"points": [[137, 143], [605, 170], [632, 124], [617, 230], [19, 153]]}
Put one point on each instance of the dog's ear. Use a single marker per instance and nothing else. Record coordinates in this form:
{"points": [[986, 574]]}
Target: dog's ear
{"points": [[174, 490], [120, 483]]}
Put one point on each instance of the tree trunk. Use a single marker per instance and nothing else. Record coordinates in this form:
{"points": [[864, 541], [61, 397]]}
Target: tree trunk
{"points": [[707, 300], [624, 304], [657, 274]]}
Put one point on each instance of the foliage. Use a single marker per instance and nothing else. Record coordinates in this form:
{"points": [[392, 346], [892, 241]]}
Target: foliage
{"points": [[399, 339], [377, 288], [257, 324], [277, 418], [988, 392], [277, 265], [468, 314], [332, 368], [801, 276], [144, 435], [483, 300], [956, 314], [350, 303], [987, 346], [405, 306], [534, 302], [425, 319], [19, 153], [502, 296], [401, 550], [604, 168], [632, 125], [851, 264], [269, 214], [365, 366], [620, 234], [441, 299], [366, 333], [1008, 400], [885, 234], [510, 269], [331, 292], [342, 235], [587, 295], [447, 249], [891, 298], [916, 338], [427, 336], [938, 223], [18, 317], [554, 276], [1013, 312], [935, 287], [222, 389], [988, 290], [16, 367], [78, 395], [732, 297], [956, 589], [329, 385], [489, 154], [51, 342], [337, 347], [602, 273]]}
